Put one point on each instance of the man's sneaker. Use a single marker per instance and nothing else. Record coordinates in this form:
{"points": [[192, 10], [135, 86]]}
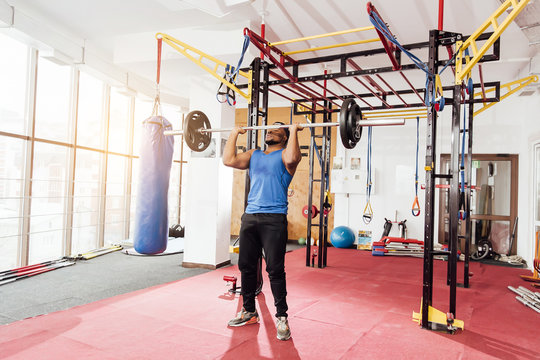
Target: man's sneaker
{"points": [[283, 330], [244, 318]]}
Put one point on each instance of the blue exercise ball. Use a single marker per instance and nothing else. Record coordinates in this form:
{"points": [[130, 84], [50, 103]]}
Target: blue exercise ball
{"points": [[342, 237]]}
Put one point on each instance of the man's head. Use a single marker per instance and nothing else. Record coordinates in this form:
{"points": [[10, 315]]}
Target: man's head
{"points": [[277, 136]]}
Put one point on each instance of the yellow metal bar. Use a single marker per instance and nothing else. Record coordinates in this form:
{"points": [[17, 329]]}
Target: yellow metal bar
{"points": [[322, 35], [474, 48], [494, 23], [517, 7], [459, 58], [508, 86], [398, 115], [424, 116], [394, 111], [331, 46], [184, 49]]}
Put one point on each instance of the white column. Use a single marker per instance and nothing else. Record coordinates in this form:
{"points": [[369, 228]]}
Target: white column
{"points": [[209, 186]]}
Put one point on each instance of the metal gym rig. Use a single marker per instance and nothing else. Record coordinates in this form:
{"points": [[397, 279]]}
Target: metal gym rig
{"points": [[308, 101]]}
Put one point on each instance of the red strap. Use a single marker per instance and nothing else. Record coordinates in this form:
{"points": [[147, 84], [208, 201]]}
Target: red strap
{"points": [[441, 14], [158, 59], [415, 207], [263, 34]]}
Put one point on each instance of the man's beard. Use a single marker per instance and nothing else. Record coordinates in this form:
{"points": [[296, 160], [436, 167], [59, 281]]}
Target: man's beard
{"points": [[271, 142]]}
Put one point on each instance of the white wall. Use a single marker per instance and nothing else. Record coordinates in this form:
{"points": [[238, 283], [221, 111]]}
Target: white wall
{"points": [[393, 165], [209, 185], [512, 126]]}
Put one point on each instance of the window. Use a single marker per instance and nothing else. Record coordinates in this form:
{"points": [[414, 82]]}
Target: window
{"points": [[173, 196], [115, 200], [90, 129], [11, 190], [173, 115], [53, 101], [48, 202], [119, 123], [86, 201], [134, 189], [14, 75], [143, 110]]}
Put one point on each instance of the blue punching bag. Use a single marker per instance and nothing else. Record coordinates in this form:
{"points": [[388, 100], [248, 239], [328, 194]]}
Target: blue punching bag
{"points": [[151, 221]]}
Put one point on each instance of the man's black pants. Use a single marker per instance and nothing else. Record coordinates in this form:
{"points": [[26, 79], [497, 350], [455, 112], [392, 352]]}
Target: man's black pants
{"points": [[268, 232]]}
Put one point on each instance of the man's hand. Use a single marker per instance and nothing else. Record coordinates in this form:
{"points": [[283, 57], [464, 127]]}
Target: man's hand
{"points": [[238, 130], [230, 157], [296, 127]]}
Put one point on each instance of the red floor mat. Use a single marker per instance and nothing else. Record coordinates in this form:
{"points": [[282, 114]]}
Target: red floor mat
{"points": [[359, 307]]}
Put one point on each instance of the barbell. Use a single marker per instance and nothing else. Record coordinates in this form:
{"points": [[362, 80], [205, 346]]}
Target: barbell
{"points": [[197, 130]]}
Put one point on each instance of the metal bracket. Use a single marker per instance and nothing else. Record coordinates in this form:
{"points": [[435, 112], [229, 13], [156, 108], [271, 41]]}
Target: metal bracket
{"points": [[517, 7], [197, 57], [510, 87]]}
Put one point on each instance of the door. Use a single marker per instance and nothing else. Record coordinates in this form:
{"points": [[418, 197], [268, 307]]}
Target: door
{"points": [[493, 202]]}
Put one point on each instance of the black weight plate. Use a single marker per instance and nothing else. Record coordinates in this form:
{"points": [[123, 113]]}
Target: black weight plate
{"points": [[194, 122], [486, 247], [343, 123], [353, 129], [485, 250]]}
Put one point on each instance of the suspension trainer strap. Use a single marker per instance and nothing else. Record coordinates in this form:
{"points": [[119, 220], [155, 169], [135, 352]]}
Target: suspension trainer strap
{"points": [[231, 73], [462, 210], [416, 205], [227, 95], [327, 205], [430, 99], [368, 211]]}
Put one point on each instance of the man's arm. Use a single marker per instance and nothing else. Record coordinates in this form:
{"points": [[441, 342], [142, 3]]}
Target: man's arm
{"points": [[230, 157], [291, 155]]}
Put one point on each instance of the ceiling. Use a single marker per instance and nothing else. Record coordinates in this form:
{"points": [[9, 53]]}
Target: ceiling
{"points": [[123, 32]]}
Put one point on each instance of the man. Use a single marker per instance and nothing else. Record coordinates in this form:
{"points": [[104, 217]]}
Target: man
{"points": [[264, 223]]}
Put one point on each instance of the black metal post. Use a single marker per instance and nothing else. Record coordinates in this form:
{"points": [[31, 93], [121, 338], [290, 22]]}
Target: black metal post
{"points": [[322, 218], [253, 115], [431, 153], [312, 145], [252, 136], [264, 90], [468, 192], [327, 176], [453, 208]]}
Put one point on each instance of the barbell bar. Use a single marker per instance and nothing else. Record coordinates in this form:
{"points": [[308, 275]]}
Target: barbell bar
{"points": [[383, 122], [197, 130]]}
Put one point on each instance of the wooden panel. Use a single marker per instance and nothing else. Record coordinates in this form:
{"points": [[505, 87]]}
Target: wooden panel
{"points": [[299, 185]]}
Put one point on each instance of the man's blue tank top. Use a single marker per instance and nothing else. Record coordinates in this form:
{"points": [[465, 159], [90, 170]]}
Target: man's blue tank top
{"points": [[269, 181]]}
